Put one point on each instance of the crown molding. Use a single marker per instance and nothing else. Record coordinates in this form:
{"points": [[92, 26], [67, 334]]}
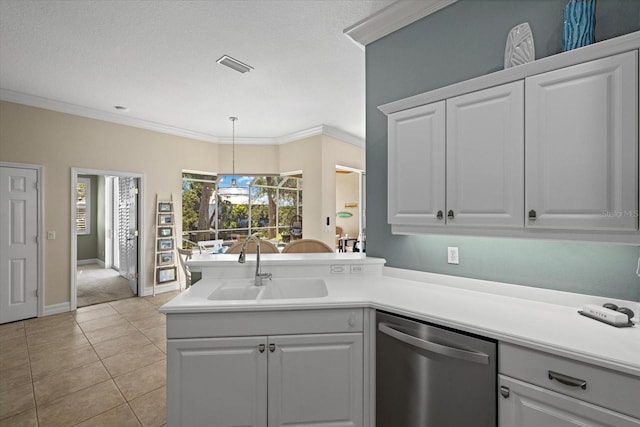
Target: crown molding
{"points": [[64, 107], [393, 17], [77, 110], [297, 136]]}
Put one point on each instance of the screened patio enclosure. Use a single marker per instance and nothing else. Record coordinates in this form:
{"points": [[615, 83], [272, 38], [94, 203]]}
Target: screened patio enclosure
{"points": [[214, 209]]}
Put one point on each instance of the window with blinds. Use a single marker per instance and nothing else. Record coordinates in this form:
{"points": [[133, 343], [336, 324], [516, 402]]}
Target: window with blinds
{"points": [[83, 206]]}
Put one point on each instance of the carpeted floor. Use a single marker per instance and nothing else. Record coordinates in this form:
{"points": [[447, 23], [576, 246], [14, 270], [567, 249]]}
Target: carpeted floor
{"points": [[96, 285]]}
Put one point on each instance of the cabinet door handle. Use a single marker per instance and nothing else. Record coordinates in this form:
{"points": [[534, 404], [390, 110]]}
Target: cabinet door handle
{"points": [[532, 214], [261, 348], [504, 391], [272, 348], [439, 215], [450, 214], [567, 380]]}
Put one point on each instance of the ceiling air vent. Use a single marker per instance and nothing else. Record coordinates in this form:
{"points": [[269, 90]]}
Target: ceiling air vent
{"points": [[234, 64]]}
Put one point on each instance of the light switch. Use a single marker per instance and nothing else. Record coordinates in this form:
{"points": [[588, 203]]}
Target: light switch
{"points": [[51, 235]]}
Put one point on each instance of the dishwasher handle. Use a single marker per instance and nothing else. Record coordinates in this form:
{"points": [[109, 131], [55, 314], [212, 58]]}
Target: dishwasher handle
{"points": [[469, 356]]}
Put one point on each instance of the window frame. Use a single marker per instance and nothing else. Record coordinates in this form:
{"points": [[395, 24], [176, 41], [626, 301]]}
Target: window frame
{"points": [[87, 207]]}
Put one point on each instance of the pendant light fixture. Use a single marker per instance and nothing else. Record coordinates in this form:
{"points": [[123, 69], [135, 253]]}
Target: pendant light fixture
{"points": [[234, 184], [233, 193]]}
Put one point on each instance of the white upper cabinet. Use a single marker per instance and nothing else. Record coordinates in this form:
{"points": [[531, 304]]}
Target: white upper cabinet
{"points": [[545, 150], [582, 146], [416, 159], [485, 157]]}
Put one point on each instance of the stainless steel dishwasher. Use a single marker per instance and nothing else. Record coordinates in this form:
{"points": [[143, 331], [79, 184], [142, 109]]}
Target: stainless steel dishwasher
{"points": [[428, 376]]}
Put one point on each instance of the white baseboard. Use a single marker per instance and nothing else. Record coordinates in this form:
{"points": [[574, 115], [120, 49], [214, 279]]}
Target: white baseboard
{"points": [[91, 261], [62, 307]]}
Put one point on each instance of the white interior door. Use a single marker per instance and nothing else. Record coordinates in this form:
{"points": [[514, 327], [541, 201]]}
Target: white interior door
{"points": [[18, 244], [128, 231]]}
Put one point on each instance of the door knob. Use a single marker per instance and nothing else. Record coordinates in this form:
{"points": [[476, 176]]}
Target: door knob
{"points": [[439, 215], [450, 214], [272, 348], [532, 214]]}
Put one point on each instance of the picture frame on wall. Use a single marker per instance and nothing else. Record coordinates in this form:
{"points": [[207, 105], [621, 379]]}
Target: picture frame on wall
{"points": [[165, 258], [165, 207], [165, 244], [166, 274], [165, 232], [165, 219]]}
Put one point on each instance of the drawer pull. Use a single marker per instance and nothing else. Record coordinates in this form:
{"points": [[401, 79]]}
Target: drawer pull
{"points": [[505, 392], [567, 380]]}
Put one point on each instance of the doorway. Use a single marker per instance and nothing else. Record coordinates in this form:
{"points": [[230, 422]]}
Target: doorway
{"points": [[106, 242], [21, 290], [350, 220]]}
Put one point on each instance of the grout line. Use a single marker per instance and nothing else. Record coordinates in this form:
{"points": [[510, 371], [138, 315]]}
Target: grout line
{"points": [[91, 344]]}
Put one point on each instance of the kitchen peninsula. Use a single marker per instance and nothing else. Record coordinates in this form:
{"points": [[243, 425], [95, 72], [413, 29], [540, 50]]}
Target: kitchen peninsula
{"points": [[268, 358]]}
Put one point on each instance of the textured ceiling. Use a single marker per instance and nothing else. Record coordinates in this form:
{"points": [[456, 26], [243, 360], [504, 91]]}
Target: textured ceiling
{"points": [[158, 58]]}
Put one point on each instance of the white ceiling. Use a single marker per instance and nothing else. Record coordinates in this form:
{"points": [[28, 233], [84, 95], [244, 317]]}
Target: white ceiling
{"points": [[158, 58]]}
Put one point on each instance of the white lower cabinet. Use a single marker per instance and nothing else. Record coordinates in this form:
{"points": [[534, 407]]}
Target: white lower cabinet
{"points": [[271, 380], [315, 380], [526, 405], [217, 382], [539, 389]]}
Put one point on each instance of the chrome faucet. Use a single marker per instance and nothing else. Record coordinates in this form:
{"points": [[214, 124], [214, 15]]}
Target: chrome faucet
{"points": [[259, 276]]}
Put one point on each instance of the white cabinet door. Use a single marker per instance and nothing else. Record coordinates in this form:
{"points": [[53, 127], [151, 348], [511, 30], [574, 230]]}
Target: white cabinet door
{"points": [[217, 382], [581, 144], [485, 157], [525, 405], [316, 380], [416, 165]]}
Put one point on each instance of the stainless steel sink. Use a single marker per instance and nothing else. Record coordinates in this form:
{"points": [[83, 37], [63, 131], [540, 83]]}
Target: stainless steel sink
{"points": [[282, 288]]}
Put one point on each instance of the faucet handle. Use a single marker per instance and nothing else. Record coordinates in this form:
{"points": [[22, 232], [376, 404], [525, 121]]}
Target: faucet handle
{"points": [[260, 277]]}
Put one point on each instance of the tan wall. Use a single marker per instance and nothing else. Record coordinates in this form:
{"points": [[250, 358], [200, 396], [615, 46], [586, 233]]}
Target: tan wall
{"points": [[250, 159], [334, 153], [348, 191], [304, 155], [61, 141]]}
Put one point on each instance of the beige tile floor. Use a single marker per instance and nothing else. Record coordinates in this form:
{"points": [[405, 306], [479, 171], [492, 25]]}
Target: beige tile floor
{"points": [[102, 365]]}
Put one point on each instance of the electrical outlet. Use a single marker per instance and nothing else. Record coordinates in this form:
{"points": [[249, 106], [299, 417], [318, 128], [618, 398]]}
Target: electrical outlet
{"points": [[452, 255], [338, 269], [356, 269]]}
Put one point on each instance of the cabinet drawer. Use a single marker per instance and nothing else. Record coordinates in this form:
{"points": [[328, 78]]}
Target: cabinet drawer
{"points": [[248, 323], [526, 405], [603, 387]]}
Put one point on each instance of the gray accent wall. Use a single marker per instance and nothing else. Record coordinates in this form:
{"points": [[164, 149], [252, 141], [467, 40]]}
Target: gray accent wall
{"points": [[462, 41]]}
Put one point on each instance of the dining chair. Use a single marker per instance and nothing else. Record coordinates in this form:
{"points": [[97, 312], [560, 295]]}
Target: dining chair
{"points": [[184, 255], [307, 246]]}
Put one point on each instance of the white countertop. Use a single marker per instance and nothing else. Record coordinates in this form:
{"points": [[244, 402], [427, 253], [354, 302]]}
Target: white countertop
{"points": [[535, 318]]}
